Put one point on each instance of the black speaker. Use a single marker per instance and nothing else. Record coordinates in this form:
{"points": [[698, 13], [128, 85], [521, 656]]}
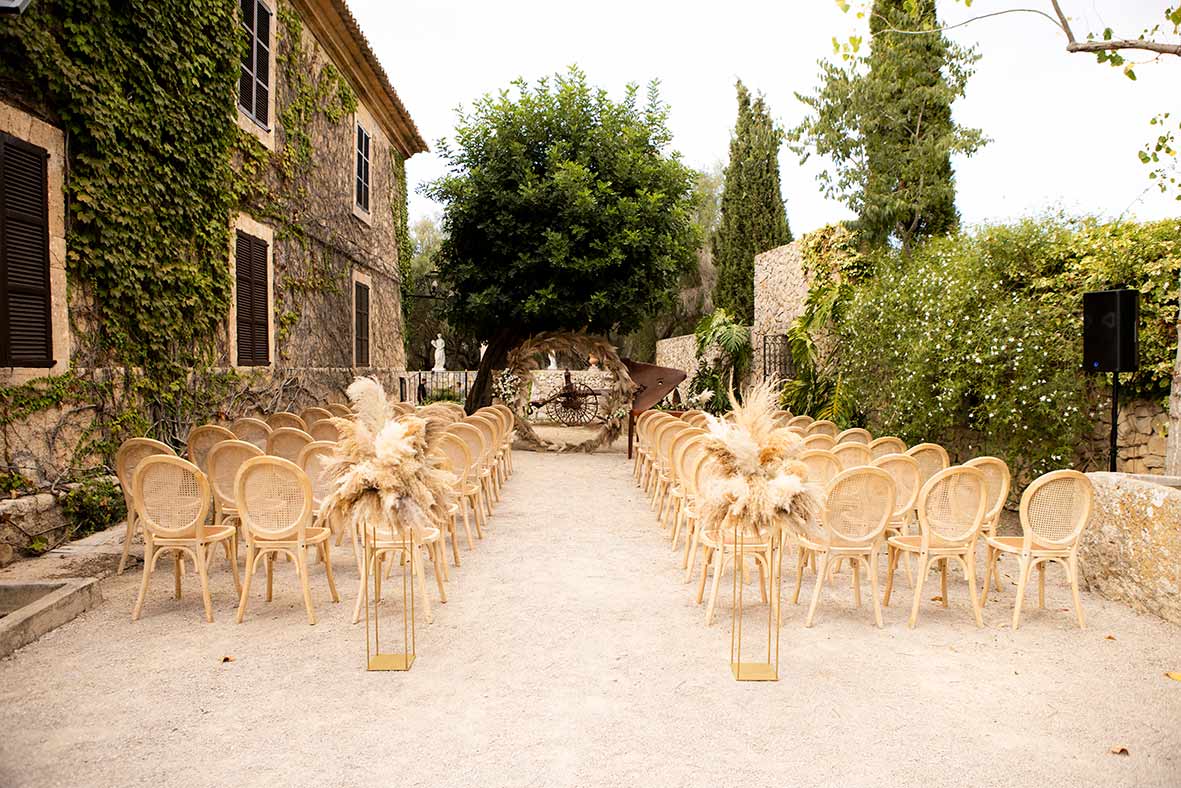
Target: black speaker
{"points": [[1111, 331]]}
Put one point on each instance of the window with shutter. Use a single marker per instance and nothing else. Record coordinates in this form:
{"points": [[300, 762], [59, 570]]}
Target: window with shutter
{"points": [[362, 168], [254, 81], [253, 301], [361, 314], [26, 336]]}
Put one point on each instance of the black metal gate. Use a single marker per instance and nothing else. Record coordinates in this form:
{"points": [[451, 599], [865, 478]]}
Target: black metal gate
{"points": [[430, 386], [777, 361]]}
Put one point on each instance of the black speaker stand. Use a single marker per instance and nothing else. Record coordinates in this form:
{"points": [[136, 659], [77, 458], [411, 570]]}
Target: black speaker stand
{"points": [[1114, 421]]}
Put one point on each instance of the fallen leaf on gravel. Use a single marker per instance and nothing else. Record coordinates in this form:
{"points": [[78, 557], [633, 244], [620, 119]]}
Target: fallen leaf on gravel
{"points": [[936, 598], [1120, 751], [1174, 676], [1110, 637], [227, 658]]}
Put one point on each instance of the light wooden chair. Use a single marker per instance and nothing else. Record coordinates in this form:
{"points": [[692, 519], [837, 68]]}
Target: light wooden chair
{"points": [[800, 421], [324, 430], [931, 458], [676, 491], [506, 416], [286, 419], [131, 453], [998, 478], [252, 430], [313, 460], [274, 503], [880, 447], [700, 420], [225, 459], [340, 410], [819, 441], [823, 465], [951, 509], [172, 502], [690, 455], [908, 482], [287, 442], [1054, 511], [390, 540], [852, 455], [858, 505], [501, 426], [823, 427], [721, 552], [855, 435], [645, 423], [490, 429], [783, 418], [704, 474], [459, 459], [402, 408], [201, 440], [473, 438], [313, 414], [662, 442]]}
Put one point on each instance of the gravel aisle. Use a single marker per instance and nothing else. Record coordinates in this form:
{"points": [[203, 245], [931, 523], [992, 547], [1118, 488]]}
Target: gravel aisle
{"points": [[571, 653]]}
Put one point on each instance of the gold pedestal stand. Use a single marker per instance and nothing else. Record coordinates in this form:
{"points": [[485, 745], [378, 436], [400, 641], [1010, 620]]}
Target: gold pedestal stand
{"points": [[374, 658], [767, 670]]}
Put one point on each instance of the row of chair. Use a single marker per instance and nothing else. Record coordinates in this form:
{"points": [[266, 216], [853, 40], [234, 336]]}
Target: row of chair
{"points": [[871, 502], [275, 501]]}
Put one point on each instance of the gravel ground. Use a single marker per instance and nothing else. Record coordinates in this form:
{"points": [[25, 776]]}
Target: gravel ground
{"points": [[571, 653]]}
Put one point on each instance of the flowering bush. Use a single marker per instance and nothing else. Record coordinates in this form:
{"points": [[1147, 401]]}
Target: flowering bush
{"points": [[505, 386], [977, 338]]}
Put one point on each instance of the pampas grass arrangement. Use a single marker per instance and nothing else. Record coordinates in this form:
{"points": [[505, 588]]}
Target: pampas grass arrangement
{"points": [[384, 473], [760, 481]]}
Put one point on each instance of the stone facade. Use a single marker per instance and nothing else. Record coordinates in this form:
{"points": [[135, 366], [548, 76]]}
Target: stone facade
{"points": [[781, 287], [323, 245], [1131, 550], [679, 353]]}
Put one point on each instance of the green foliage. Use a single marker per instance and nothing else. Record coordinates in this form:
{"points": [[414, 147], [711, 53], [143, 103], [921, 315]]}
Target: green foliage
{"points": [[563, 210], [144, 93], [975, 339], [443, 395], [723, 352], [95, 504], [14, 483], [752, 218], [884, 120]]}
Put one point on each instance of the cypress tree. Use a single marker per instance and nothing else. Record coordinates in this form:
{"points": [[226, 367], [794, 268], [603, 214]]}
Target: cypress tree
{"points": [[753, 218]]}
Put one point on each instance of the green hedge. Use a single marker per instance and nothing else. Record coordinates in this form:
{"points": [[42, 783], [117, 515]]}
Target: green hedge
{"points": [[979, 336]]}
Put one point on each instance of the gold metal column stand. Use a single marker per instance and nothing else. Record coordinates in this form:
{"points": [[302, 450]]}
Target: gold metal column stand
{"points": [[374, 658], [767, 670]]}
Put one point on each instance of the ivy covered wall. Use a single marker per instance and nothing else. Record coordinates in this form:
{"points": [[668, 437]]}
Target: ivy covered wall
{"points": [[157, 167]]}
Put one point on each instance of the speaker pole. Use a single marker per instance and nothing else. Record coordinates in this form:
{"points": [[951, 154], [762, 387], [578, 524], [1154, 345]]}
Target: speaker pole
{"points": [[1114, 421]]}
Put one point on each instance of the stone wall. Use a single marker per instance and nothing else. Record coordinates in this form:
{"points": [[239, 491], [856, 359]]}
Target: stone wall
{"points": [[679, 353], [781, 287], [1131, 550], [32, 518]]}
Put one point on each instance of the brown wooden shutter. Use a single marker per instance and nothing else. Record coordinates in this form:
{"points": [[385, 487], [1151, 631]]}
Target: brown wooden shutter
{"points": [[246, 77], [361, 312], [26, 335], [262, 63], [252, 301]]}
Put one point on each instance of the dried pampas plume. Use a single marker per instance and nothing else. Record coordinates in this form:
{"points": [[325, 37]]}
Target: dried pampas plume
{"points": [[383, 475], [760, 480]]}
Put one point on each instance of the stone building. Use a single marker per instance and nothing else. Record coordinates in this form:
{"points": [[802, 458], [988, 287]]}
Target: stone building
{"points": [[313, 257]]}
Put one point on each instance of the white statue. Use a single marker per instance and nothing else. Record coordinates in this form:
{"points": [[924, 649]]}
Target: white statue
{"points": [[553, 361], [483, 349], [440, 355]]}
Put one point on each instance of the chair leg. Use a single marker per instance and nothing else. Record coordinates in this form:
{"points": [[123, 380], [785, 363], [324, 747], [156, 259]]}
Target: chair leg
{"points": [[855, 565], [416, 566], [970, 571], [149, 564], [440, 565], [943, 582], [454, 539], [704, 574], [996, 571], [719, 570], [1041, 585], [269, 560], [203, 576], [467, 526], [801, 560], [176, 572], [891, 568], [232, 558], [326, 557], [127, 537], [301, 564], [873, 585], [924, 568], [691, 553], [989, 567], [251, 559], [821, 577], [763, 576], [1072, 570], [1022, 580]]}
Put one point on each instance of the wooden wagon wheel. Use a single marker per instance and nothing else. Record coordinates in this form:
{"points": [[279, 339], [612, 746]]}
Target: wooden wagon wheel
{"points": [[574, 405]]}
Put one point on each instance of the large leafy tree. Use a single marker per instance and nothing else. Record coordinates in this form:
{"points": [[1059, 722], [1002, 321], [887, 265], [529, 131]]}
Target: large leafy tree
{"points": [[884, 120], [753, 218], [563, 209]]}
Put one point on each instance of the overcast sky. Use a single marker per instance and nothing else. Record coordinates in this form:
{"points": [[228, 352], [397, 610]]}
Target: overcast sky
{"points": [[1064, 130]]}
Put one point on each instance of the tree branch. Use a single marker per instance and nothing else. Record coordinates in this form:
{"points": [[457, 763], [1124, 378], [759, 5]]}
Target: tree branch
{"points": [[1147, 46], [970, 20]]}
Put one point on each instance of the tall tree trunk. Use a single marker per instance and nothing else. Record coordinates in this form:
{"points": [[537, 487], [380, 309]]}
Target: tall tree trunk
{"points": [[504, 340]]}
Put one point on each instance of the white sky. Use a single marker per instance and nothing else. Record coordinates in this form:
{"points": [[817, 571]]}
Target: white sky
{"points": [[1064, 130]]}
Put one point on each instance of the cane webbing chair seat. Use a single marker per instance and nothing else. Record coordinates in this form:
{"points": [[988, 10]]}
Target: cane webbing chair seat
{"points": [[324, 430], [931, 458], [823, 465], [799, 421], [286, 419], [880, 447], [131, 453], [225, 459], [819, 441], [340, 410], [201, 440], [1054, 510], [172, 501], [252, 430], [823, 427]]}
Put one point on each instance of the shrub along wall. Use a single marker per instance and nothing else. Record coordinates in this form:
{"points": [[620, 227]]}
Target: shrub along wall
{"points": [[976, 339]]}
